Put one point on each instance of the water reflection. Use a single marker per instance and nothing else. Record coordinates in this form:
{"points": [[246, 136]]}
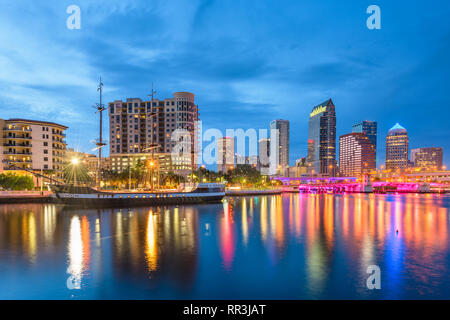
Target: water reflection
{"points": [[290, 246]]}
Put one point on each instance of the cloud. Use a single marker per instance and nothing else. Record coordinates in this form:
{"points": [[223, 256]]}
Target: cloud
{"points": [[255, 59]]}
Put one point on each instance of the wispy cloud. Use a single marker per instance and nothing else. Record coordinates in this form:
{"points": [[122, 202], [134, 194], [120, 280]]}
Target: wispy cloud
{"points": [[256, 59]]}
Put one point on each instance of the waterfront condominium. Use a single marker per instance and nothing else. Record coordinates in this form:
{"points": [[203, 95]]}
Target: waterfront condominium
{"points": [[282, 127], [356, 154], [427, 158], [369, 128], [225, 154], [397, 145], [321, 158], [33, 145], [141, 130]]}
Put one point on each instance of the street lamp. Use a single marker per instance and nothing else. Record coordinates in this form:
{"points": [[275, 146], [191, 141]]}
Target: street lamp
{"points": [[152, 147], [75, 162]]}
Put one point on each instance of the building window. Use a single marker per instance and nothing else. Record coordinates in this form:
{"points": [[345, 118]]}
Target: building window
{"points": [[45, 159]]}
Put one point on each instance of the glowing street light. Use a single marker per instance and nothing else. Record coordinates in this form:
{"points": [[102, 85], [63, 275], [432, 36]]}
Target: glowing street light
{"points": [[75, 162]]}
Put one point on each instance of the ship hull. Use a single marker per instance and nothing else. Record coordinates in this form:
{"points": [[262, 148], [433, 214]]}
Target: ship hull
{"points": [[112, 200]]}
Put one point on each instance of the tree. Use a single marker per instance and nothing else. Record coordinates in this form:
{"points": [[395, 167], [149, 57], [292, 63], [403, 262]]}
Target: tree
{"points": [[12, 181], [172, 179], [243, 174]]}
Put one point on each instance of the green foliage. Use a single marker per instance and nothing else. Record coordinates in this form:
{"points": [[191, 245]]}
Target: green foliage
{"points": [[137, 175], [206, 175], [172, 179], [12, 181], [243, 174]]}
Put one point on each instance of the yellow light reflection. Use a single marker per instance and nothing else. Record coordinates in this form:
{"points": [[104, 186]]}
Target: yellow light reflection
{"points": [[151, 245]]}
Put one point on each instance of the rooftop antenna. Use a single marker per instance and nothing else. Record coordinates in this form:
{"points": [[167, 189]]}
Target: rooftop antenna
{"points": [[152, 96], [100, 108]]}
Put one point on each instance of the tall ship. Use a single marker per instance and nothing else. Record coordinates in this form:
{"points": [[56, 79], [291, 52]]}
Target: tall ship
{"points": [[81, 196]]}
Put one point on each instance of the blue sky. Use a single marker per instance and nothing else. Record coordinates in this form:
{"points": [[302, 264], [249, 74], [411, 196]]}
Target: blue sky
{"points": [[247, 62]]}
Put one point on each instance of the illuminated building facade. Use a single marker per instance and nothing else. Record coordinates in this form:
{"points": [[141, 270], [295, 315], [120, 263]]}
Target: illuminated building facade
{"points": [[282, 127], [356, 154], [248, 160], [138, 127], [299, 170], [322, 139], [370, 129], [163, 161], [34, 145], [397, 146], [429, 176], [225, 154], [427, 158], [264, 155]]}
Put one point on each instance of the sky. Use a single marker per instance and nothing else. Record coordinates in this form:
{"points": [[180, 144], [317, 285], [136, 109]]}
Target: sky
{"points": [[247, 62]]}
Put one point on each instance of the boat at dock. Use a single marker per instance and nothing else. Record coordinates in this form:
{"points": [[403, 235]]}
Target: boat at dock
{"points": [[82, 196]]}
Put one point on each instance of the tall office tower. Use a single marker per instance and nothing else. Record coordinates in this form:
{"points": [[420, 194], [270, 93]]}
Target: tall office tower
{"points": [[33, 145], [322, 139], [397, 145], [356, 154], [264, 155], [370, 129], [145, 129], [427, 158], [283, 141], [225, 154]]}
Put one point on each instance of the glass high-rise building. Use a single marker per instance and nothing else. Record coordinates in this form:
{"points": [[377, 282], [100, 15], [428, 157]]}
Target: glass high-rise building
{"points": [[283, 141], [370, 129], [397, 145], [322, 139]]}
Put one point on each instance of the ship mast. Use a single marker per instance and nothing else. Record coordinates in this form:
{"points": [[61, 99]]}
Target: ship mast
{"points": [[100, 108]]}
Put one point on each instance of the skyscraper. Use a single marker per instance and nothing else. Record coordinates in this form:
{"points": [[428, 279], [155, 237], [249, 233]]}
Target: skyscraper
{"points": [[370, 129], [264, 155], [356, 154], [225, 154], [322, 139], [143, 128], [283, 141], [397, 145], [427, 158]]}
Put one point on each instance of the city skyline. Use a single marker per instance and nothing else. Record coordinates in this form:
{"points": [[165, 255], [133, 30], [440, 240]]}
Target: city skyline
{"points": [[225, 159], [60, 86]]}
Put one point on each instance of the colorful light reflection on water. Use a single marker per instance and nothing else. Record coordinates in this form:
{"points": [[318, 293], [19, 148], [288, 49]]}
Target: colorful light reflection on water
{"points": [[297, 246]]}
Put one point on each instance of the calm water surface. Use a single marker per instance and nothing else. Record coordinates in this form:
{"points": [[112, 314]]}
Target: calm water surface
{"points": [[270, 247]]}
